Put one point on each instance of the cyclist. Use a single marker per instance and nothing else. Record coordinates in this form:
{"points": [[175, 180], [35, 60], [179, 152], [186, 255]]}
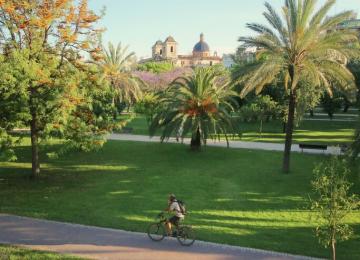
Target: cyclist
{"points": [[173, 207]]}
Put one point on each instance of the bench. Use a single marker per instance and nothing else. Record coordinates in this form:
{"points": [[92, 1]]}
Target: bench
{"points": [[322, 147]]}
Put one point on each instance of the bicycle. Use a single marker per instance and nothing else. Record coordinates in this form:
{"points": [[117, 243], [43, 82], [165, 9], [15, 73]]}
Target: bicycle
{"points": [[184, 234]]}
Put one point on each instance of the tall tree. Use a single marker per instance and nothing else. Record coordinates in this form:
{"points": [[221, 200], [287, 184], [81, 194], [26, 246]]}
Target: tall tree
{"points": [[200, 103], [302, 45], [42, 42], [117, 64]]}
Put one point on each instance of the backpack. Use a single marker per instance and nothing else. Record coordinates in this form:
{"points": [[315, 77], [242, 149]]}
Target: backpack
{"points": [[182, 207]]}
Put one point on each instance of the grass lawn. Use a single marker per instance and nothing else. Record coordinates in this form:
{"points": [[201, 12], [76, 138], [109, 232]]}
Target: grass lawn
{"points": [[19, 253], [315, 132], [237, 197]]}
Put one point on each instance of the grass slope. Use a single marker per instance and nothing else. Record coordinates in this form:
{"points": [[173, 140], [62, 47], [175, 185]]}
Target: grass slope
{"points": [[237, 197], [19, 253]]}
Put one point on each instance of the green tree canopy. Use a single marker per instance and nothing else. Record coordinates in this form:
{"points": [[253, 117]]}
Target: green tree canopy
{"points": [[117, 64], [303, 44], [199, 104]]}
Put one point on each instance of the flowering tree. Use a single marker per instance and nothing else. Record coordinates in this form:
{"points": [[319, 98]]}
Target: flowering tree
{"points": [[160, 81], [42, 42]]}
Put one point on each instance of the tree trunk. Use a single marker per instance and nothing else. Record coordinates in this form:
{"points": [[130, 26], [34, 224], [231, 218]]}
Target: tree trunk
{"points": [[289, 132], [34, 147], [196, 141], [346, 106], [312, 113], [333, 249]]}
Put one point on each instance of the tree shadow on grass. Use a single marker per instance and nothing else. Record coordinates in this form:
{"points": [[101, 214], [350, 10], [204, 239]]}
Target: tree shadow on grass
{"points": [[126, 184]]}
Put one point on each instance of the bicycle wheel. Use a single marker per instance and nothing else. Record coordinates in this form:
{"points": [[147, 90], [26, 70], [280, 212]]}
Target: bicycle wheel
{"points": [[156, 232], [186, 236]]}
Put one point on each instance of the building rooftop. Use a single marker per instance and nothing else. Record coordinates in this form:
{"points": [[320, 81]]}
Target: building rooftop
{"points": [[170, 39], [201, 46], [352, 24]]}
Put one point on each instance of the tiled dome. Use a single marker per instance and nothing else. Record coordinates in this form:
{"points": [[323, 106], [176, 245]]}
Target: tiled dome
{"points": [[201, 46]]}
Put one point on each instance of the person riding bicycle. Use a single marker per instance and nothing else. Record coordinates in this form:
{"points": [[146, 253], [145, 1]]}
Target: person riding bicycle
{"points": [[173, 207]]}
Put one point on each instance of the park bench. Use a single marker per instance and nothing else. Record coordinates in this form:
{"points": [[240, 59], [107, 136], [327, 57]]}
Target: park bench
{"points": [[322, 147]]}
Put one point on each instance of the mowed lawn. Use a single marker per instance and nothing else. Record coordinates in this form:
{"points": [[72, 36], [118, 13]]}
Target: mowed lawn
{"points": [[236, 197], [314, 132], [19, 253]]}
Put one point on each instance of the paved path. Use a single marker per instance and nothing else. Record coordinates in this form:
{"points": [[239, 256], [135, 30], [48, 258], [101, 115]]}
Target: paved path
{"points": [[104, 243], [233, 144], [330, 120]]}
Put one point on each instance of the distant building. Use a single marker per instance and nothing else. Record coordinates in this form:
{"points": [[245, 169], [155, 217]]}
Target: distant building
{"points": [[228, 60], [243, 55], [167, 51], [353, 24]]}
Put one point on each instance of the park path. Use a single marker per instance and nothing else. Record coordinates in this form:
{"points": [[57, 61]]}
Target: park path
{"points": [[334, 150], [108, 244]]}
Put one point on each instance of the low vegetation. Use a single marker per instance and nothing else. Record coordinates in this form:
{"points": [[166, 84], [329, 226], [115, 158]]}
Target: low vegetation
{"points": [[19, 253]]}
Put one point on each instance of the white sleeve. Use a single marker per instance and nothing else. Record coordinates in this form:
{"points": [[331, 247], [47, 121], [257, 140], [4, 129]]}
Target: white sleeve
{"points": [[172, 206]]}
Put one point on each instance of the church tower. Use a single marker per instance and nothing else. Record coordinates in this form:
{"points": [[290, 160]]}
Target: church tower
{"points": [[157, 50], [170, 48]]}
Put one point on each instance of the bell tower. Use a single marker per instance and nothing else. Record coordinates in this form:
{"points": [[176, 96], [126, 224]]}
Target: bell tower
{"points": [[170, 48]]}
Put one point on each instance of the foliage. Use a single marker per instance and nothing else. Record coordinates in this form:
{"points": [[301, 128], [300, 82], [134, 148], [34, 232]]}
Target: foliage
{"points": [[262, 108], [308, 98], [117, 65], [333, 202], [148, 106], [6, 146], [45, 81], [302, 45], [331, 105], [200, 104], [156, 67], [354, 67]]}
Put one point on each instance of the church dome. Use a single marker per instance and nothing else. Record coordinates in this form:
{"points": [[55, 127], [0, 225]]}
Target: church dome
{"points": [[201, 46]]}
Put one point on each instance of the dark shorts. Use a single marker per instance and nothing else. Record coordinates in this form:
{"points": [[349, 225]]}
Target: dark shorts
{"points": [[174, 220]]}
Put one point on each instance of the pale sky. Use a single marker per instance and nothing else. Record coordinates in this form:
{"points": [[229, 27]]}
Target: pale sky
{"points": [[140, 23]]}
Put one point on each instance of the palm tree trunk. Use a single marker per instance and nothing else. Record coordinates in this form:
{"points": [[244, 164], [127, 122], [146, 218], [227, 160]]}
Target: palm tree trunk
{"points": [[289, 131], [34, 147], [196, 141]]}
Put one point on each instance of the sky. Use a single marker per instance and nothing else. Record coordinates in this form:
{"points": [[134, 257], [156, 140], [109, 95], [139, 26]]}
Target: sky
{"points": [[140, 23]]}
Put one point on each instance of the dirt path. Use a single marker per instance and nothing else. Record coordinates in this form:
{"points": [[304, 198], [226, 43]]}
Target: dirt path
{"points": [[104, 243]]}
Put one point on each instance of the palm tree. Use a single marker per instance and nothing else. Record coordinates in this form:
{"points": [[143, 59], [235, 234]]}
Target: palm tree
{"points": [[303, 45], [200, 103], [117, 65]]}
